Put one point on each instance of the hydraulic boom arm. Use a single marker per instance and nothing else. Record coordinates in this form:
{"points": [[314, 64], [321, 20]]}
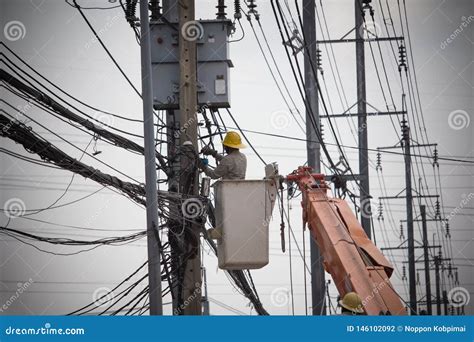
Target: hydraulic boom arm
{"points": [[354, 262]]}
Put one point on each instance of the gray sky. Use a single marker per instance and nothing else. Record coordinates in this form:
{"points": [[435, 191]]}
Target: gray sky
{"points": [[58, 44]]}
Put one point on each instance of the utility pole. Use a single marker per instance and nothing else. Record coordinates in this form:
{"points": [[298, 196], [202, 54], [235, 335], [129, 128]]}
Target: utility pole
{"points": [[407, 146], [426, 260], [409, 207], [205, 298], [362, 121], [445, 302], [173, 129], [437, 262], [318, 284], [360, 6], [189, 180], [154, 265]]}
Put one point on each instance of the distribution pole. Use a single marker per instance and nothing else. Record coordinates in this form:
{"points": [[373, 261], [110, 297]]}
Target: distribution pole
{"points": [[154, 266], [189, 181], [205, 299], [409, 208], [175, 226], [318, 284], [437, 262], [426, 260], [445, 302], [362, 121]]}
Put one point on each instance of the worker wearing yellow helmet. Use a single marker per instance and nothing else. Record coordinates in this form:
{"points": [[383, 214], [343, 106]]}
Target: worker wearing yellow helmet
{"points": [[231, 166], [351, 304]]}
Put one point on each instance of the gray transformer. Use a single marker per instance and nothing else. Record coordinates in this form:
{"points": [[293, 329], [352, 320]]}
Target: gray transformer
{"points": [[212, 68]]}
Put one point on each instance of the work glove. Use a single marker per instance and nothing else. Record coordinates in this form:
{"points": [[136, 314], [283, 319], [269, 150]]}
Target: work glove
{"points": [[207, 151], [202, 163]]}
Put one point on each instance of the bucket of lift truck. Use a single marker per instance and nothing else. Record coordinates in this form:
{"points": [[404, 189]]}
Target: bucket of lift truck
{"points": [[243, 210]]}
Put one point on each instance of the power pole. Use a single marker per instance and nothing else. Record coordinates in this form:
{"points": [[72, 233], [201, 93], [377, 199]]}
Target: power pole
{"points": [[362, 121], [318, 284], [205, 299], [189, 180], [407, 146], [426, 260], [409, 207], [173, 130], [437, 262], [360, 7], [445, 302], [154, 265]]}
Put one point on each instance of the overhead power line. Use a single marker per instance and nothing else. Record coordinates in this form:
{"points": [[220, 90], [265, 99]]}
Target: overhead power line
{"points": [[66, 113]]}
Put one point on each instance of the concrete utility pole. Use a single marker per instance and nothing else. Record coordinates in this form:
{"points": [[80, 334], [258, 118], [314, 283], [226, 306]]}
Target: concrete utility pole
{"points": [[154, 265], [426, 256], [409, 208], [173, 128], [318, 284], [362, 121], [188, 117]]}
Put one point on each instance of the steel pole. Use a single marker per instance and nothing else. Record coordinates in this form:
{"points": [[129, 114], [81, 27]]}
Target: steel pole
{"points": [[154, 266]]}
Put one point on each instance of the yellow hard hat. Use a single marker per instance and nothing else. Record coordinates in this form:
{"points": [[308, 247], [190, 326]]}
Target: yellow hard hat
{"points": [[232, 139], [352, 302]]}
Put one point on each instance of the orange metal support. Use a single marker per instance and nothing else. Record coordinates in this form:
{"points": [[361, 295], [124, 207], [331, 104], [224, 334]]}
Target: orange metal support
{"points": [[351, 258]]}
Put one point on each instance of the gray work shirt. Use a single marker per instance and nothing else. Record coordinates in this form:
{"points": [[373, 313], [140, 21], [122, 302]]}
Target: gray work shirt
{"points": [[231, 166]]}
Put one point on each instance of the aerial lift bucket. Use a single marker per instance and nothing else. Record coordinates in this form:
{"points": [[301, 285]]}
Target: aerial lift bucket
{"points": [[243, 211]]}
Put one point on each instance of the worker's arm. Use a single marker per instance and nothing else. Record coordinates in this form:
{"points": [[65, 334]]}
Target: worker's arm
{"points": [[207, 151], [220, 171], [218, 156]]}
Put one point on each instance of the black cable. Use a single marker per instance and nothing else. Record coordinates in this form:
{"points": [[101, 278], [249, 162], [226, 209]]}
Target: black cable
{"points": [[248, 141], [69, 143], [111, 291], [62, 90], [71, 242], [274, 77], [90, 8], [105, 48], [39, 96], [348, 146]]}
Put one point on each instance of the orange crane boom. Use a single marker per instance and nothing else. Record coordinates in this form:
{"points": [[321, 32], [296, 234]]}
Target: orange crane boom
{"points": [[352, 259]]}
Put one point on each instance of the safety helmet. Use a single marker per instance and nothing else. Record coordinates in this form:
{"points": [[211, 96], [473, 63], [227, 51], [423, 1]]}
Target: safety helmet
{"points": [[232, 139], [352, 302]]}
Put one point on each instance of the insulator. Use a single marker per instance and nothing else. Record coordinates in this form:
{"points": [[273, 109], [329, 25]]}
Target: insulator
{"points": [[405, 130], [130, 12], [402, 62], [435, 157], [456, 278], [404, 273], [321, 130], [448, 230], [402, 234], [221, 14], [417, 278], [237, 10], [437, 210], [366, 6], [252, 8], [440, 254], [380, 211], [155, 9], [319, 63], [450, 270], [379, 162]]}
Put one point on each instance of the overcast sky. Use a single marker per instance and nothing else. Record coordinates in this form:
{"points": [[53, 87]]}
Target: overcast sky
{"points": [[55, 40]]}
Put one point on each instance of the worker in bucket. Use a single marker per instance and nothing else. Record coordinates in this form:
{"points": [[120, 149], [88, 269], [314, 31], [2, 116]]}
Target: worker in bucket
{"points": [[351, 304], [231, 166]]}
